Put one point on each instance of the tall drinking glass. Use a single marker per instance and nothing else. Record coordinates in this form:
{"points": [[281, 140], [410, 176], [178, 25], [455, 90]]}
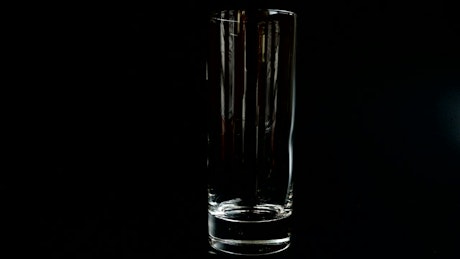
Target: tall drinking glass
{"points": [[251, 102]]}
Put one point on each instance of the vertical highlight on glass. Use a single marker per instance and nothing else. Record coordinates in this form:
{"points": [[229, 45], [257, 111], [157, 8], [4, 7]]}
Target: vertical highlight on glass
{"points": [[251, 63]]}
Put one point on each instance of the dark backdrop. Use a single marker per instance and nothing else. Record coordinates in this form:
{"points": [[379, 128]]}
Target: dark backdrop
{"points": [[377, 137]]}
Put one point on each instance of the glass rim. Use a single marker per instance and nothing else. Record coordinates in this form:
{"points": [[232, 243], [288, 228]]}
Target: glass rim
{"points": [[265, 11]]}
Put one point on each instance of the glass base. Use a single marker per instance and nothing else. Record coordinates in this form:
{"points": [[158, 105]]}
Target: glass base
{"points": [[249, 230], [249, 247]]}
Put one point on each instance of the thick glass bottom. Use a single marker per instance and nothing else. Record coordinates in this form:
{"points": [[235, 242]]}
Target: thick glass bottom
{"points": [[249, 230], [249, 247]]}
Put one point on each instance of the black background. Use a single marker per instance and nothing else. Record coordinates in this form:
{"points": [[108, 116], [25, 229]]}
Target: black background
{"points": [[121, 123]]}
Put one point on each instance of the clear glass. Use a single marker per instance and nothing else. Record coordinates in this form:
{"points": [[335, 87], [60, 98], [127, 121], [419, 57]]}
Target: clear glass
{"points": [[251, 104]]}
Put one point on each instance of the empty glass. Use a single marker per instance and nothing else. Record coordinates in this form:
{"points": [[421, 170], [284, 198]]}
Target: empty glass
{"points": [[250, 120]]}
